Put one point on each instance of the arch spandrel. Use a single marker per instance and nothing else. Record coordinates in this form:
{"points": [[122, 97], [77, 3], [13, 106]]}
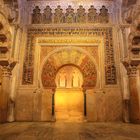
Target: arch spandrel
{"points": [[64, 57]]}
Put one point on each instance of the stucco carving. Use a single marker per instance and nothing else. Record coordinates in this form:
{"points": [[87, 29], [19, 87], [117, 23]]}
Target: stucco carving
{"points": [[104, 15], [86, 66], [106, 33], [70, 15], [48, 74], [92, 14], [47, 15], [36, 16], [28, 68], [132, 71], [58, 15], [81, 15]]}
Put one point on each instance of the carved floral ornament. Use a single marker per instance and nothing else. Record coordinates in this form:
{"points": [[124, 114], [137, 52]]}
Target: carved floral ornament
{"points": [[132, 71], [71, 41], [69, 15], [131, 67], [86, 66]]}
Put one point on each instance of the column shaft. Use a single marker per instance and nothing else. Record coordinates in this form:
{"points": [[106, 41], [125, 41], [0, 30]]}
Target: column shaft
{"points": [[4, 96], [134, 96]]}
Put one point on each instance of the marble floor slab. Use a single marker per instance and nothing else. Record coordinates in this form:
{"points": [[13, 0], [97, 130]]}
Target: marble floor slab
{"points": [[69, 131]]}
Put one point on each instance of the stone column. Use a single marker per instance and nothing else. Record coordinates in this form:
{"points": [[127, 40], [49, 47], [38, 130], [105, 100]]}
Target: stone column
{"points": [[85, 103], [46, 105], [125, 50], [4, 96], [126, 104], [53, 105], [134, 97]]}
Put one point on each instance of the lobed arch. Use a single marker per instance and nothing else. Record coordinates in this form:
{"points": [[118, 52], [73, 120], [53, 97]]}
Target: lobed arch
{"points": [[5, 28], [131, 38], [85, 63], [69, 65]]}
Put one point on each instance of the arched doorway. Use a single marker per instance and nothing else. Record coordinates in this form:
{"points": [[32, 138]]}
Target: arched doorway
{"points": [[69, 97], [52, 65]]}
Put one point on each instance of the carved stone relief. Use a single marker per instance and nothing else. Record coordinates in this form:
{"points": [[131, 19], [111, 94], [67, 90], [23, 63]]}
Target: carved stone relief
{"points": [[72, 56], [70, 16], [134, 43], [5, 42], [48, 74], [58, 15], [104, 15], [81, 15], [28, 67], [89, 73], [47, 15], [86, 66], [36, 16], [110, 69], [92, 15], [106, 33]]}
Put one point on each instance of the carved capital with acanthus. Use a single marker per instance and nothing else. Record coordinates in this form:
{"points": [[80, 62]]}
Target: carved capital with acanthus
{"points": [[132, 71], [6, 71], [131, 68]]}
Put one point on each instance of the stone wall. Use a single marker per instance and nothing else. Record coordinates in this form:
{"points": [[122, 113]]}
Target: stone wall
{"points": [[32, 102], [34, 105], [104, 105]]}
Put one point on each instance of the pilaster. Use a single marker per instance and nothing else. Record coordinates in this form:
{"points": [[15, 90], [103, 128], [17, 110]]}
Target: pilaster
{"points": [[4, 96], [134, 110]]}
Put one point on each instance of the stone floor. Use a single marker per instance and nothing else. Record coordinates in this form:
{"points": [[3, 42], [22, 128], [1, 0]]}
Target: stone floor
{"points": [[69, 131]]}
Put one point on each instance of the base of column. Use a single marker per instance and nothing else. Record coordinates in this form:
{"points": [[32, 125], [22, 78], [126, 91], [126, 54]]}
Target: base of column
{"points": [[53, 119], [3, 116], [135, 121]]}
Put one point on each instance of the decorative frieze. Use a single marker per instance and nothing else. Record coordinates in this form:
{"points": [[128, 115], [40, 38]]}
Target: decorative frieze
{"points": [[92, 14], [28, 67], [47, 15], [69, 16], [36, 16], [82, 41]]}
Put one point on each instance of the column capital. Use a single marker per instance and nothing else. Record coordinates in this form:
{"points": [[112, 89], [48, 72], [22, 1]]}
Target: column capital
{"points": [[6, 71], [132, 70], [7, 68]]}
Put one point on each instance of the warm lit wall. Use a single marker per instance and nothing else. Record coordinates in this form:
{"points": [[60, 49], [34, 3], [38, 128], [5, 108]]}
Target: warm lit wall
{"points": [[33, 100], [69, 104], [0, 85]]}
